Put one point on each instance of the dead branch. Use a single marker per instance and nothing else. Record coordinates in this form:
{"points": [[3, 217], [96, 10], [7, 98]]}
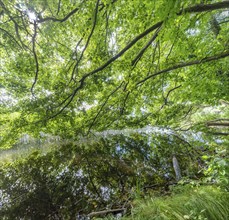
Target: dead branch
{"points": [[105, 212]]}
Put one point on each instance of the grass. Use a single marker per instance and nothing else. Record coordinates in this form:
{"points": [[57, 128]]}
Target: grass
{"points": [[202, 203]]}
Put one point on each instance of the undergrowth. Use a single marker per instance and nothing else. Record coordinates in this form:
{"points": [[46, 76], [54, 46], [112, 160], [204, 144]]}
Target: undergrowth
{"points": [[197, 203]]}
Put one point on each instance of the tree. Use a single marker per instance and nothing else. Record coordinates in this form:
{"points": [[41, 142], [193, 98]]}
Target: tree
{"points": [[76, 68], [79, 66]]}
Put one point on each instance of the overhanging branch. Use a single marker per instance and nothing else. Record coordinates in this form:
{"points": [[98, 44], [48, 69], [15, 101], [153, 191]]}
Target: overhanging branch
{"points": [[191, 63], [193, 9], [205, 7]]}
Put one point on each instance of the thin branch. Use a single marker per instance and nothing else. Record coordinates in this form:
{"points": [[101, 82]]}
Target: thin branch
{"points": [[219, 133], [68, 100], [218, 124], [75, 68], [100, 110], [88, 39], [11, 36], [124, 103], [58, 8], [187, 113], [41, 20], [191, 63], [35, 57], [167, 96], [139, 55]]}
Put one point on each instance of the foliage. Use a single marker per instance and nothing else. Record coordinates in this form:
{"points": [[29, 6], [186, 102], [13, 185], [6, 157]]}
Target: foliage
{"points": [[75, 67]]}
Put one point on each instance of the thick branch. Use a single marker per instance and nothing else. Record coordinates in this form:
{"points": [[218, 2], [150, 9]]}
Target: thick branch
{"points": [[191, 63], [127, 47], [204, 7]]}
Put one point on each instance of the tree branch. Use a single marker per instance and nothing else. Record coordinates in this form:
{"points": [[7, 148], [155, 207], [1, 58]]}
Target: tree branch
{"points": [[35, 57], [11, 36], [193, 9], [127, 47], [167, 96], [191, 63], [88, 39], [100, 110], [105, 212], [219, 133], [205, 7], [58, 8], [41, 20], [218, 124], [82, 80], [139, 55]]}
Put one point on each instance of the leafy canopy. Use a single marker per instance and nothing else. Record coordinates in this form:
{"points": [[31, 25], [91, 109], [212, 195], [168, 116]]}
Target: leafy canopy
{"points": [[73, 67]]}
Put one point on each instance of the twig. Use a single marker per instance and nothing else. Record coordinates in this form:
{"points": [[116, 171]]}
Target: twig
{"points": [[167, 96], [171, 90]]}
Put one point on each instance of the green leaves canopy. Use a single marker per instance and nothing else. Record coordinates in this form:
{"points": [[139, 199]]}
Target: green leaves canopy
{"points": [[76, 66]]}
